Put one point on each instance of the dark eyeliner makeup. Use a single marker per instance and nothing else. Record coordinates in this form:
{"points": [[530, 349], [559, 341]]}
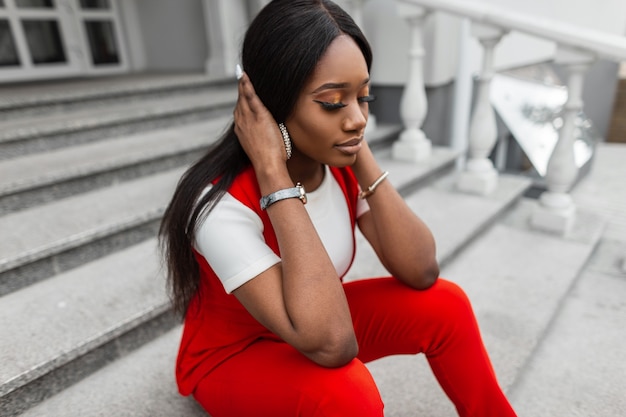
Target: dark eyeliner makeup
{"points": [[330, 106], [367, 99]]}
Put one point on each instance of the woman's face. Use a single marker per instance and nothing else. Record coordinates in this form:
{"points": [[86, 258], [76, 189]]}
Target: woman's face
{"points": [[331, 112]]}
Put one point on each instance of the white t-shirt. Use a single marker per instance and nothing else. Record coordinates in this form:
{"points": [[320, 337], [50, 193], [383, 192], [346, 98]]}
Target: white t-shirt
{"points": [[231, 237]]}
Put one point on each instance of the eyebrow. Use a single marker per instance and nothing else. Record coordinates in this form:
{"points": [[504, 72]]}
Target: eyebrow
{"points": [[336, 86]]}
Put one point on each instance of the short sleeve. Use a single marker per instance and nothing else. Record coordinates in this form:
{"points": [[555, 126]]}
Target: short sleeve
{"points": [[231, 240]]}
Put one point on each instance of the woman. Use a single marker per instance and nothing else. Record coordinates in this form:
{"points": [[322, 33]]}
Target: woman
{"points": [[269, 327]]}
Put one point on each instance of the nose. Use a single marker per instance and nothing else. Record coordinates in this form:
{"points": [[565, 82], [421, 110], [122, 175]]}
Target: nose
{"points": [[355, 118]]}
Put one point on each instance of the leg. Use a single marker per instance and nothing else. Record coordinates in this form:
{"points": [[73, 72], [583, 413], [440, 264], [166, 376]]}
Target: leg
{"points": [[391, 318], [273, 379]]}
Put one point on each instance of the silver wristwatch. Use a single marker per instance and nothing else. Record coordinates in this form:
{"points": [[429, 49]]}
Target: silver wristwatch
{"points": [[295, 192]]}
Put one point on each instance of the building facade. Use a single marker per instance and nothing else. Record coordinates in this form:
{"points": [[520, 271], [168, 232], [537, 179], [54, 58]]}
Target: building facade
{"points": [[53, 39]]}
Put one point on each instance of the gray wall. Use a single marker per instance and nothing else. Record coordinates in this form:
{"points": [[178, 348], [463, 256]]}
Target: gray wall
{"points": [[173, 34]]}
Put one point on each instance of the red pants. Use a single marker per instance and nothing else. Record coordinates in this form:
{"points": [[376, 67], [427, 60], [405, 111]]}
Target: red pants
{"points": [[273, 379]]}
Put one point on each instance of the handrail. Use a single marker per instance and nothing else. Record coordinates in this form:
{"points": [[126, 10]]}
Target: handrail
{"points": [[601, 44]]}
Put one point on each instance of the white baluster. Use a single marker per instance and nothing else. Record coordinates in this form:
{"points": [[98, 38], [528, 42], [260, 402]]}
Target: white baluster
{"points": [[480, 176], [413, 144], [462, 101], [226, 21], [556, 211]]}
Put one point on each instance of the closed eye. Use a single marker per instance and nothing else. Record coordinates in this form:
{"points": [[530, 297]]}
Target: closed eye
{"points": [[330, 106], [335, 106], [367, 99]]}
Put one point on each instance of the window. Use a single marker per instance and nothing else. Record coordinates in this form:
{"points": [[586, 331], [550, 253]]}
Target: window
{"points": [[34, 4], [44, 41], [95, 4], [8, 52], [102, 42]]}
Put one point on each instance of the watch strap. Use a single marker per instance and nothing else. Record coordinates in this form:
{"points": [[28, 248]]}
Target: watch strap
{"points": [[294, 192]]}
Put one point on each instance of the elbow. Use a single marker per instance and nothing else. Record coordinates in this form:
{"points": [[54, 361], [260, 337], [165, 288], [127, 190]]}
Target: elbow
{"points": [[429, 275], [338, 357], [337, 352], [424, 277], [427, 281]]}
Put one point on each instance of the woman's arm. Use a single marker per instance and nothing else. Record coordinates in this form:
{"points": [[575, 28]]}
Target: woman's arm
{"points": [[401, 240], [300, 299]]}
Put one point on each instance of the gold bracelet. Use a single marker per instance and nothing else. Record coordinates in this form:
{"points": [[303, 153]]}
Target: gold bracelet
{"points": [[370, 190]]}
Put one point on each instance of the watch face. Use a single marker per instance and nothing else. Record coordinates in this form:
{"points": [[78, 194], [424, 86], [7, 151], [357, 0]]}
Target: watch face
{"points": [[302, 196]]}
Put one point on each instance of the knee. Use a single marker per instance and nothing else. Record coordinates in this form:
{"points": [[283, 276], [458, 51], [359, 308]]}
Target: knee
{"points": [[348, 390], [451, 292], [450, 302]]}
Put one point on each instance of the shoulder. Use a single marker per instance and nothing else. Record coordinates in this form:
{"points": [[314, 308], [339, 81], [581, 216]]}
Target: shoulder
{"points": [[245, 188]]}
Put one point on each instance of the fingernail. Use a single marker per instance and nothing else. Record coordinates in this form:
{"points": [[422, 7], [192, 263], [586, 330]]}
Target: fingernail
{"points": [[238, 72]]}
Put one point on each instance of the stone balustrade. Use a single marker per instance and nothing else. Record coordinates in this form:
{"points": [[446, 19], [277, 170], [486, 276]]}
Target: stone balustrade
{"points": [[577, 49]]}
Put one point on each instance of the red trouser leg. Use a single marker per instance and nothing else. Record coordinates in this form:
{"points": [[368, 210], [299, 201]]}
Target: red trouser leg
{"points": [[272, 379], [391, 318]]}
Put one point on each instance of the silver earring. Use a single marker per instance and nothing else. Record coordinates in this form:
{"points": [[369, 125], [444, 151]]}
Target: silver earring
{"points": [[286, 138]]}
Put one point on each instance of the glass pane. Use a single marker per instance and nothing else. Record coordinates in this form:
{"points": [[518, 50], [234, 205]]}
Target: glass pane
{"points": [[102, 42], [8, 52], [35, 4], [44, 41], [95, 4]]}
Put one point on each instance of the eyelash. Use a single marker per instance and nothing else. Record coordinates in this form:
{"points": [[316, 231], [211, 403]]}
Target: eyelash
{"points": [[335, 106]]}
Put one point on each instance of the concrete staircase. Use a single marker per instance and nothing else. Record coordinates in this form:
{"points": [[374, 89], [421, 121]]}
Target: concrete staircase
{"points": [[86, 170]]}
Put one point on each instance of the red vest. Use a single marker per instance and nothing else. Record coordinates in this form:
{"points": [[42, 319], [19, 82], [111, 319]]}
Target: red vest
{"points": [[217, 326]]}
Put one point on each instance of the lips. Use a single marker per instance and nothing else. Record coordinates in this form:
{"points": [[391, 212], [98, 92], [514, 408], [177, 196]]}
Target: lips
{"points": [[352, 142], [350, 147]]}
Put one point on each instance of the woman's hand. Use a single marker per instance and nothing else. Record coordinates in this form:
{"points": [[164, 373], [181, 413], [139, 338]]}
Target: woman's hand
{"points": [[256, 129], [300, 299]]}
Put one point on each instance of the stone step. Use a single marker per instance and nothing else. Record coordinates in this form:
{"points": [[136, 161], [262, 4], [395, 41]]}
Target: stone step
{"points": [[77, 322], [139, 384], [146, 376], [54, 237], [579, 368], [517, 280], [42, 241], [46, 132], [26, 100], [74, 298], [35, 179], [456, 220]]}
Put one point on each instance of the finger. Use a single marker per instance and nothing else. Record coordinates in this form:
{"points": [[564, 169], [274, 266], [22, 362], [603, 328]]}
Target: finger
{"points": [[254, 102], [242, 105], [247, 89]]}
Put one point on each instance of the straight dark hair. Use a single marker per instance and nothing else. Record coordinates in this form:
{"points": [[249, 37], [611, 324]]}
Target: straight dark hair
{"points": [[281, 49]]}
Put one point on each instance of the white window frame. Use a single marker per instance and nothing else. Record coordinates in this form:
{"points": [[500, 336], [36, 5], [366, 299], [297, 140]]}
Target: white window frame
{"points": [[70, 18]]}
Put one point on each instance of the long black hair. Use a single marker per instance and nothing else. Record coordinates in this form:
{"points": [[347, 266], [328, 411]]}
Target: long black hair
{"points": [[281, 49]]}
